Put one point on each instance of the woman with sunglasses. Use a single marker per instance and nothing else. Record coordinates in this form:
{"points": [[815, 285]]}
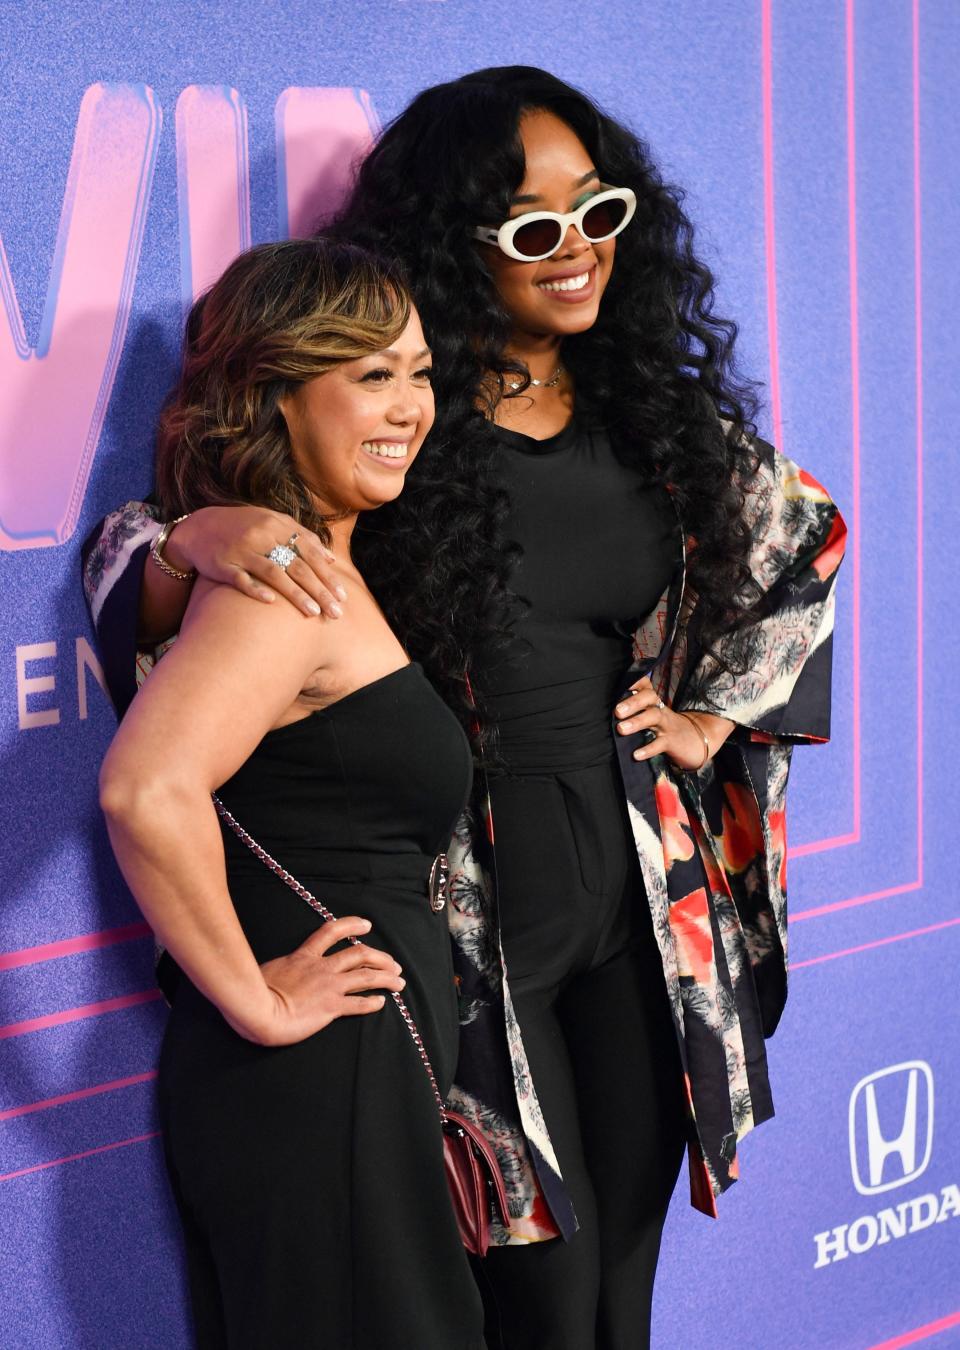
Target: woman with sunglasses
{"points": [[641, 631]]}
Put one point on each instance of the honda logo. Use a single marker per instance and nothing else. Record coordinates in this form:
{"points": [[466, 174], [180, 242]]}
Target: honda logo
{"points": [[891, 1126]]}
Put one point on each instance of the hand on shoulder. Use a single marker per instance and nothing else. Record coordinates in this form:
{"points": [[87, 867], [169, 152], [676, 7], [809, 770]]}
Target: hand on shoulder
{"points": [[232, 545]]}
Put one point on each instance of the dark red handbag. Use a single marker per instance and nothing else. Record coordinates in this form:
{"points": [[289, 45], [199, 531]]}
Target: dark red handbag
{"points": [[473, 1174], [474, 1180]]}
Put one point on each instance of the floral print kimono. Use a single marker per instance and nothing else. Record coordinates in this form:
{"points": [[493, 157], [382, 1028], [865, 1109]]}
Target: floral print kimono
{"points": [[712, 845]]}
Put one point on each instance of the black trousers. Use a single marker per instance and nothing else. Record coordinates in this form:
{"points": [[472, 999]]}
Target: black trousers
{"points": [[588, 986], [309, 1178]]}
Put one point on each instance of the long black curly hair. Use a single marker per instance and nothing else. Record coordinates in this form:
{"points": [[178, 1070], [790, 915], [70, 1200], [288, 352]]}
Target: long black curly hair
{"points": [[657, 365]]}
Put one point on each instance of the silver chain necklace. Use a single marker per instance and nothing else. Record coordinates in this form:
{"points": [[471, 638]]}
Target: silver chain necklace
{"points": [[552, 383]]}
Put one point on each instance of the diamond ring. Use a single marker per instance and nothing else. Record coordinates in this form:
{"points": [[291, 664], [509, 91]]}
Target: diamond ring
{"points": [[283, 555], [660, 704]]}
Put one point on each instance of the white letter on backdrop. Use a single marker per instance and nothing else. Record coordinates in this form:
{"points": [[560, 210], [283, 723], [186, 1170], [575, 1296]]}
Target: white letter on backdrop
{"points": [[35, 684], [87, 660]]}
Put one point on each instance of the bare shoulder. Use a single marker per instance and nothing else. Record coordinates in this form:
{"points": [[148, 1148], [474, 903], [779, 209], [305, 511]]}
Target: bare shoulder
{"points": [[328, 657], [221, 616]]}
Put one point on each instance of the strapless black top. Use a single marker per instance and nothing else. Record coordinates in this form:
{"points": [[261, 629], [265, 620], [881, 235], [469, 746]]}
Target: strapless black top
{"points": [[374, 781], [355, 800]]}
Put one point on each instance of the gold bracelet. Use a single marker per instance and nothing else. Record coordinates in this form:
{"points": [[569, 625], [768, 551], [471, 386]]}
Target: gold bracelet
{"points": [[160, 560], [703, 736]]}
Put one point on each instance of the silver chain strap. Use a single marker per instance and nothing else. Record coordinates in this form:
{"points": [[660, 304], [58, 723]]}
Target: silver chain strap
{"points": [[325, 913]]}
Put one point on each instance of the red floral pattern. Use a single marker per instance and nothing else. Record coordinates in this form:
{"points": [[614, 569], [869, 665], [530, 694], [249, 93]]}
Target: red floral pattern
{"points": [[690, 925], [674, 823]]}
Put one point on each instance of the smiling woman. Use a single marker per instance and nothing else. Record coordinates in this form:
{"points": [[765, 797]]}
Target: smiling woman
{"points": [[305, 388], [296, 382], [356, 430], [561, 294]]}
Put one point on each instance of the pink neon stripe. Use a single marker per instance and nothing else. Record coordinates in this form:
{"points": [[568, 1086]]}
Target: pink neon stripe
{"points": [[766, 81], [919, 1333], [880, 942], [918, 311], [852, 836], [838, 841], [77, 1014], [75, 1157], [86, 942], [856, 900], [77, 1096], [823, 845], [855, 397]]}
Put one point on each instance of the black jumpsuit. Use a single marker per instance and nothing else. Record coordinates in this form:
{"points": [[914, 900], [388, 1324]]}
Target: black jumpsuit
{"points": [[310, 1178], [585, 974]]}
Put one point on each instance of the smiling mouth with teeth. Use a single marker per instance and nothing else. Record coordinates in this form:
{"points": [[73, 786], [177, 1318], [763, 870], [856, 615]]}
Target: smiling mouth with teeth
{"points": [[568, 283], [387, 449]]}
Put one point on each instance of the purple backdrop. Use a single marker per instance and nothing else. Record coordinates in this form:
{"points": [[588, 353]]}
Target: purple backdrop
{"points": [[819, 146]]}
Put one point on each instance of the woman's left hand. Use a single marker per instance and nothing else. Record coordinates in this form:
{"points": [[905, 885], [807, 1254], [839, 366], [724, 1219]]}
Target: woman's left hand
{"points": [[680, 736]]}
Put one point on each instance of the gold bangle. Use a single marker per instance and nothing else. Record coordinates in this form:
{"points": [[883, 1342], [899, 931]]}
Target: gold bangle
{"points": [[177, 573], [703, 736]]}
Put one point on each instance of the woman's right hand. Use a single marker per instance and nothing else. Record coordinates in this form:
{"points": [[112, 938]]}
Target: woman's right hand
{"points": [[312, 986], [230, 544]]}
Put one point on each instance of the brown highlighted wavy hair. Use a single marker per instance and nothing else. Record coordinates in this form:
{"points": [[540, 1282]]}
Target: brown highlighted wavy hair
{"points": [[280, 315]]}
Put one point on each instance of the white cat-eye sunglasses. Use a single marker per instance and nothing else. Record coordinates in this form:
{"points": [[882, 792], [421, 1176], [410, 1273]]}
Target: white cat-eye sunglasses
{"points": [[538, 234]]}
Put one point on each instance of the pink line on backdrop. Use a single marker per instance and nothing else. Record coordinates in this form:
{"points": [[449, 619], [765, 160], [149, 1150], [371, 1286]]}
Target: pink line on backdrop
{"points": [[78, 1014], [916, 884], [824, 845], [918, 313], [75, 1157], [854, 397], [878, 942], [65, 1097], [919, 1333], [851, 836], [856, 900], [86, 942], [766, 82]]}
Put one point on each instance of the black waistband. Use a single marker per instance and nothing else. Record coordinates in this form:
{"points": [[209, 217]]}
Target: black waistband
{"points": [[558, 729]]}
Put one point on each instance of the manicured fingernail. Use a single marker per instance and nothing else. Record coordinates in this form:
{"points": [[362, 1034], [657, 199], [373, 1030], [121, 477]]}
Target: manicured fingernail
{"points": [[312, 607], [622, 710], [335, 611], [339, 590], [365, 925], [268, 596], [330, 557], [639, 754]]}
